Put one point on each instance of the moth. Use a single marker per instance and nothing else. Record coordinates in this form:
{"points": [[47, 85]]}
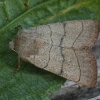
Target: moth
{"points": [[63, 48]]}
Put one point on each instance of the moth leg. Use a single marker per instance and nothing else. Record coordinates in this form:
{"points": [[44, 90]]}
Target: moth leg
{"points": [[14, 50], [18, 66]]}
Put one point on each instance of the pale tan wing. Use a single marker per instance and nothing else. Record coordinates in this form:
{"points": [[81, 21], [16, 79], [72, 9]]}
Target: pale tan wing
{"points": [[76, 34], [88, 35], [76, 65], [80, 64], [88, 67], [58, 60]]}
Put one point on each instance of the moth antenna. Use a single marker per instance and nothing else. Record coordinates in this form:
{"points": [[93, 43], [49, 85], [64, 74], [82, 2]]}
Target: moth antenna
{"points": [[18, 66]]}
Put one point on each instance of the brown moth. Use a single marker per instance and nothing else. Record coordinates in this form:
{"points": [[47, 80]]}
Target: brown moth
{"points": [[61, 48]]}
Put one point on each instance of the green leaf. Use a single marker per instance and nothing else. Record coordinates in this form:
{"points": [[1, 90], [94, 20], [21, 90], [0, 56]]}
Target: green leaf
{"points": [[32, 83]]}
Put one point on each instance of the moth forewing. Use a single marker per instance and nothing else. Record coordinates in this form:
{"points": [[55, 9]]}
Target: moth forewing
{"points": [[88, 67], [61, 48]]}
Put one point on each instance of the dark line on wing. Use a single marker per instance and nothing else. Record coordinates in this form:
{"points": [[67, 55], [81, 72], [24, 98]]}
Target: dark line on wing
{"points": [[61, 48], [50, 47], [78, 65], [78, 35]]}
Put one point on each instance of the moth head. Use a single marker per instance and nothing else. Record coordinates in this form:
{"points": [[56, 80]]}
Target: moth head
{"points": [[11, 45]]}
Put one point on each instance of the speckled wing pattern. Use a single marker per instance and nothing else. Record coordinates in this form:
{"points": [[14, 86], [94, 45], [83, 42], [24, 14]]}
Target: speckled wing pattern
{"points": [[61, 48]]}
